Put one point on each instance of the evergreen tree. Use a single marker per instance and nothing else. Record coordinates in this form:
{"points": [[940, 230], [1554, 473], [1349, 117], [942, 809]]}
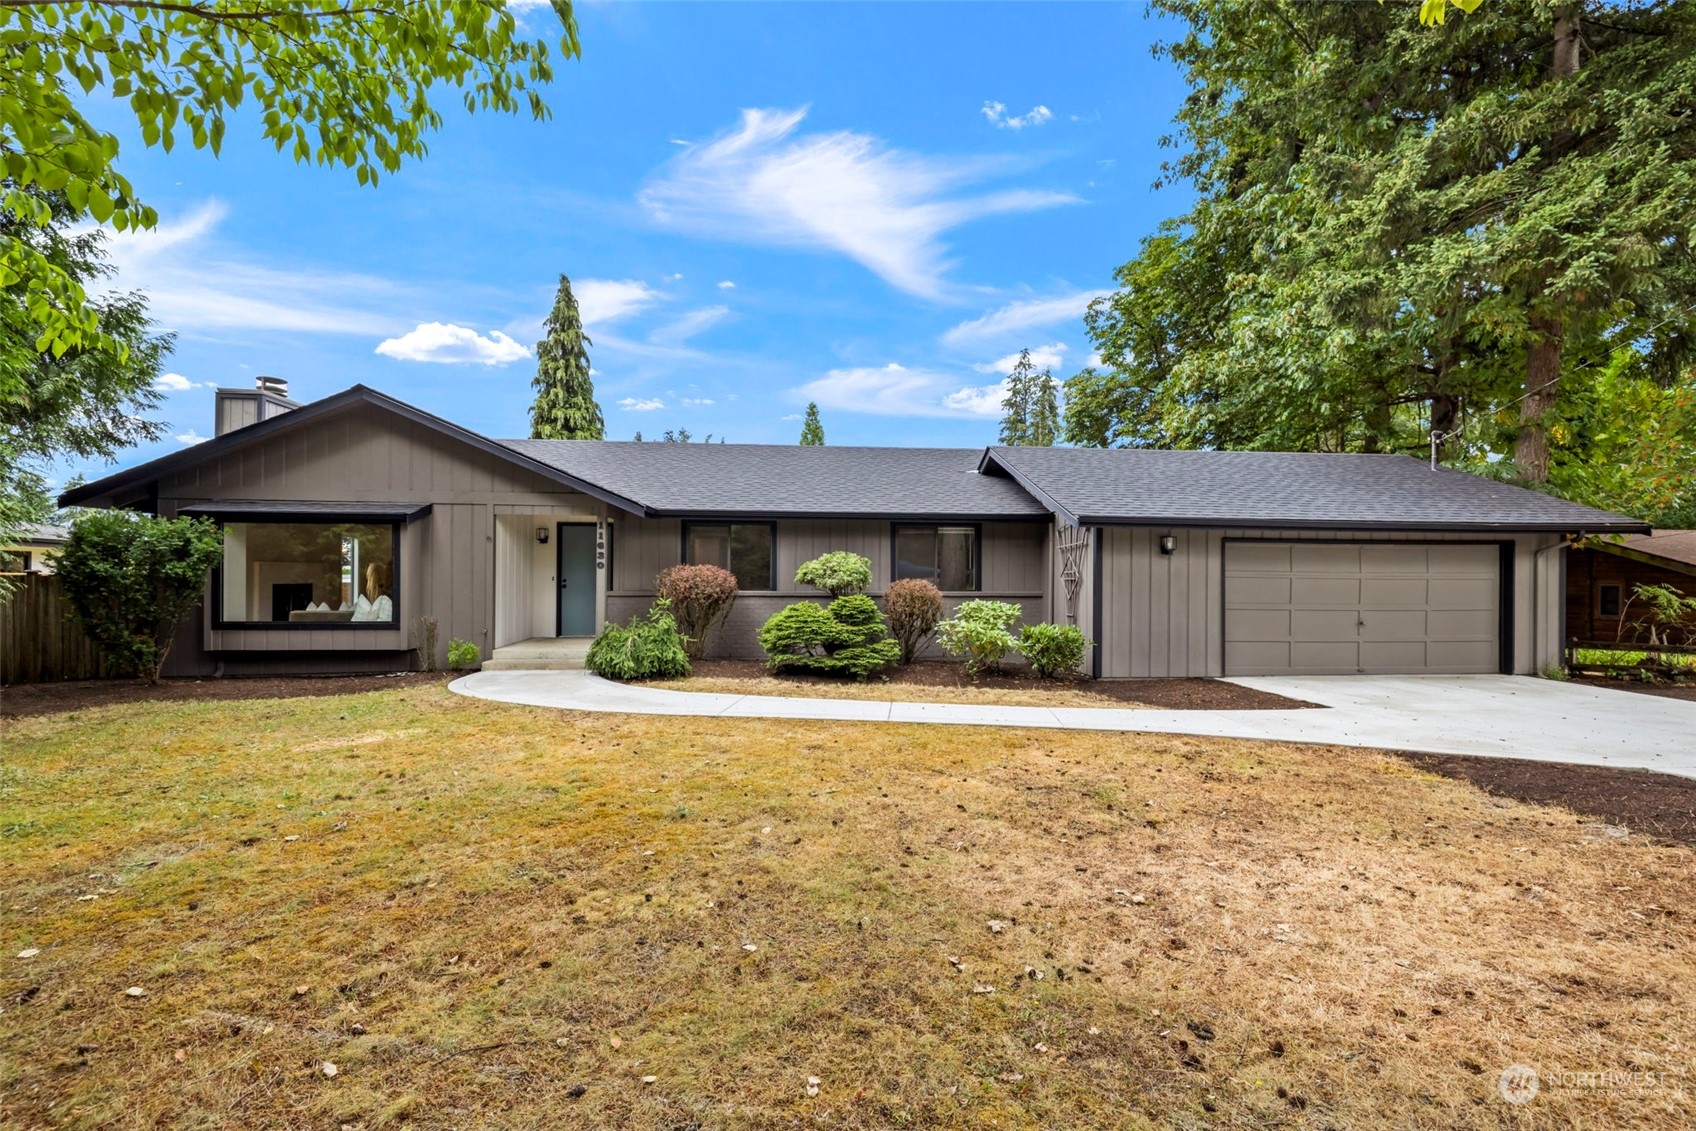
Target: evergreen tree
{"points": [[812, 431], [1045, 411], [565, 407], [1017, 405]]}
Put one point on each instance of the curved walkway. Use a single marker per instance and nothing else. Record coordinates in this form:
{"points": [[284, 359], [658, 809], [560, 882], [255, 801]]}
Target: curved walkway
{"points": [[1503, 716]]}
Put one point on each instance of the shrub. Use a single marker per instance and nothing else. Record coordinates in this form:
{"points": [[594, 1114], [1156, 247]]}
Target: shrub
{"points": [[1053, 649], [131, 579], [697, 597], [649, 647], [839, 573], [914, 607], [463, 654], [980, 633], [846, 638]]}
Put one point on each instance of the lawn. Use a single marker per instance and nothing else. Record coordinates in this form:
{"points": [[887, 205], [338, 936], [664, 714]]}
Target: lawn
{"points": [[1060, 695], [485, 915]]}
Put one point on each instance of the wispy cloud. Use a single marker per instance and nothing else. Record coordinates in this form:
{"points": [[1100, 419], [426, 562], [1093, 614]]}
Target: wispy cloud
{"points": [[998, 117], [764, 182], [191, 437], [603, 300], [647, 404], [1024, 314], [449, 344], [681, 329], [726, 285], [177, 383], [696, 402], [1051, 356], [895, 390]]}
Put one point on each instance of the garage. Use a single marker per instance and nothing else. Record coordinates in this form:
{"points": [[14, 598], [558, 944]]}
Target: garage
{"points": [[1339, 608]]}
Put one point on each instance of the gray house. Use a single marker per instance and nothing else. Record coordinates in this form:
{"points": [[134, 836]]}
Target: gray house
{"points": [[349, 520]]}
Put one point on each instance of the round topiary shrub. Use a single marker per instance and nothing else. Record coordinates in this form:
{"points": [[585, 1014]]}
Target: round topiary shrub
{"points": [[914, 606], [847, 638], [699, 597], [839, 573]]}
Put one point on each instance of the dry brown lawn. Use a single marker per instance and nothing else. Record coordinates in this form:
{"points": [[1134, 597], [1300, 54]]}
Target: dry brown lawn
{"points": [[1057, 695], [494, 916]]}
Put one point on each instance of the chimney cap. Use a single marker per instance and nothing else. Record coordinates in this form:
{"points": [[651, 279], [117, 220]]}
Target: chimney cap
{"points": [[277, 385]]}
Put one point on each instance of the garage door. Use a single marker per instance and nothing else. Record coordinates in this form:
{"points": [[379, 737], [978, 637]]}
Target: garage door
{"points": [[1317, 608]]}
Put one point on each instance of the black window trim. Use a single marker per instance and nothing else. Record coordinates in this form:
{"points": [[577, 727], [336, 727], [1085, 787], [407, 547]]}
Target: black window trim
{"points": [[219, 624], [1619, 599], [683, 550], [976, 528]]}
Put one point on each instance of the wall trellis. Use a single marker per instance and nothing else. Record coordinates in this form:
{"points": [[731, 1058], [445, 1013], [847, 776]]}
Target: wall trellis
{"points": [[1073, 542]]}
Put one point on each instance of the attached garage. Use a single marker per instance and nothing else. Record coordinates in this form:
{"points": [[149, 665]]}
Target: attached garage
{"points": [[1336, 608]]}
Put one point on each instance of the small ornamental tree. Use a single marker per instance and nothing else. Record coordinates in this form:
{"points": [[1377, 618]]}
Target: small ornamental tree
{"points": [[132, 578], [700, 597], [839, 573], [980, 632], [846, 638], [914, 606]]}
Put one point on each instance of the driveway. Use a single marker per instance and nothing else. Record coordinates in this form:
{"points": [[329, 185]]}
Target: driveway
{"points": [[1504, 716]]}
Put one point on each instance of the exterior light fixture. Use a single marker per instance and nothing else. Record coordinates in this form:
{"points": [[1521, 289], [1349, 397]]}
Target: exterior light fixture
{"points": [[542, 535], [1168, 545]]}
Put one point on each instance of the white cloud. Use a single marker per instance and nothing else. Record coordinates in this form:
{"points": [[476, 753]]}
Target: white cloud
{"points": [[603, 300], [696, 321], [673, 278], [726, 285], [895, 390], [791, 416], [697, 402], [1051, 356], [1022, 315], [763, 182], [450, 344], [998, 117], [192, 437], [631, 404], [177, 383], [1093, 361]]}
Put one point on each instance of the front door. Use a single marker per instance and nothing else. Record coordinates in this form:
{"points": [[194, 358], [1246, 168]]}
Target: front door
{"points": [[576, 578]]}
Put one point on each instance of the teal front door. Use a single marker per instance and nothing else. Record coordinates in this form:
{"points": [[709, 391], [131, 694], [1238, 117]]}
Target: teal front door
{"points": [[576, 578]]}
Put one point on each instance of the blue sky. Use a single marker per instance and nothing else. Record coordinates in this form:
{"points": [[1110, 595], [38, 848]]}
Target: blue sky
{"points": [[759, 204]]}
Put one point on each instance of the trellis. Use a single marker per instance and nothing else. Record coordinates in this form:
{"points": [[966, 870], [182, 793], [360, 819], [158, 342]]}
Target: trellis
{"points": [[1073, 542]]}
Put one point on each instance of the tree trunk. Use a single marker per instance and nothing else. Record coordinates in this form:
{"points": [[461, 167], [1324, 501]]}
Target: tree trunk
{"points": [[1548, 330]]}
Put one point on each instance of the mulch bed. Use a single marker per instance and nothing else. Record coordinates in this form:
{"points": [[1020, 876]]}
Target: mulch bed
{"points": [[1686, 691], [1171, 694], [1647, 803], [20, 700]]}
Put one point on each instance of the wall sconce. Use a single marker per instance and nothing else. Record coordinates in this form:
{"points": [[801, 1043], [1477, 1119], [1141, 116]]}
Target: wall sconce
{"points": [[542, 535], [1168, 545]]}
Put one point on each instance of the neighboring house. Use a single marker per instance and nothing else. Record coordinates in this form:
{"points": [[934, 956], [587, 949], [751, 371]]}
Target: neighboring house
{"points": [[1603, 575], [35, 551], [348, 519]]}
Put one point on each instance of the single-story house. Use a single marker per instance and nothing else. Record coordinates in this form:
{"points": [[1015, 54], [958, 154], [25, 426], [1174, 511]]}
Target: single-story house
{"points": [[349, 520], [33, 550], [1603, 575]]}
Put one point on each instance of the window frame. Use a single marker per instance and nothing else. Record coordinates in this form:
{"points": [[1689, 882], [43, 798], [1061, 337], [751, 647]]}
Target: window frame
{"points": [[1602, 588], [976, 528], [24, 561], [219, 624], [771, 528]]}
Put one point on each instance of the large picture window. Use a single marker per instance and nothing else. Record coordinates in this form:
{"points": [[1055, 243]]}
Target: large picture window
{"points": [[946, 556], [311, 573], [743, 548]]}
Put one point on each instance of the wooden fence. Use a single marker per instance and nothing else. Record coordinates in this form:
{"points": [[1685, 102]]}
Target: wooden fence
{"points": [[39, 642]]}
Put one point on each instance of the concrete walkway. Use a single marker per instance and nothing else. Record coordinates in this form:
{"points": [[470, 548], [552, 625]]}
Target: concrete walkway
{"points": [[1503, 716]]}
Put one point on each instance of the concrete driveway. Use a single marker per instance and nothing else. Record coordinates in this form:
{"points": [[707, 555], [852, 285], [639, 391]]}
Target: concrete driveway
{"points": [[1494, 715]]}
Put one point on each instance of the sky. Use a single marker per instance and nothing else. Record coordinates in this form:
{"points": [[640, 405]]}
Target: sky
{"points": [[873, 206]]}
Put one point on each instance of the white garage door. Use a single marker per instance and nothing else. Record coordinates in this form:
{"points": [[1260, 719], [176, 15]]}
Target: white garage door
{"points": [[1327, 608]]}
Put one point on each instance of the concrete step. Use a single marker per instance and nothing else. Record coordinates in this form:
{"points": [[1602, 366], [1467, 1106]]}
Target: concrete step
{"points": [[557, 654], [546, 664]]}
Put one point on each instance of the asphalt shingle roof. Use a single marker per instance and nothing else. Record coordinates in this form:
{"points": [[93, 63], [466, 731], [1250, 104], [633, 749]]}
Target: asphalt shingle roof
{"points": [[1285, 489], [777, 480]]}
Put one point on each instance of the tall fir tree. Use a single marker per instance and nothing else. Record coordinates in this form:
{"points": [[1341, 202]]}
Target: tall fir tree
{"points": [[1017, 405], [565, 407], [812, 430], [1045, 411]]}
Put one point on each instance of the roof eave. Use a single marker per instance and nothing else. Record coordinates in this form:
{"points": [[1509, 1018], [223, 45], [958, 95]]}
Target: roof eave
{"points": [[990, 461], [1628, 526], [846, 516]]}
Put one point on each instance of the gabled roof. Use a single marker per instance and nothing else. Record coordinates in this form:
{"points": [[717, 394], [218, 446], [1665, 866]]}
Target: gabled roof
{"points": [[789, 480], [1669, 549], [1283, 490]]}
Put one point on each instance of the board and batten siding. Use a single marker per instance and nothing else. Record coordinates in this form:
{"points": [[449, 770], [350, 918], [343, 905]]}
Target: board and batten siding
{"points": [[447, 562], [1163, 615], [1014, 557]]}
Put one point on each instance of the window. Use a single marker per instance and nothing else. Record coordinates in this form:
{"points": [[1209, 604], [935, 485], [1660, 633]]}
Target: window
{"points": [[946, 556], [308, 573], [14, 561], [1608, 600], [743, 548]]}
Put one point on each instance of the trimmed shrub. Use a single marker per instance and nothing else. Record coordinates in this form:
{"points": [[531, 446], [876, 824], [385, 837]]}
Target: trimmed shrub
{"points": [[914, 607], [649, 647], [980, 633], [698, 597], [846, 638], [1053, 649], [839, 573], [463, 654]]}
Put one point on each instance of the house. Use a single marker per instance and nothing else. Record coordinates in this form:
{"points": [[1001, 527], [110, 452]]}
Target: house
{"points": [[349, 520], [1602, 577], [34, 550]]}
